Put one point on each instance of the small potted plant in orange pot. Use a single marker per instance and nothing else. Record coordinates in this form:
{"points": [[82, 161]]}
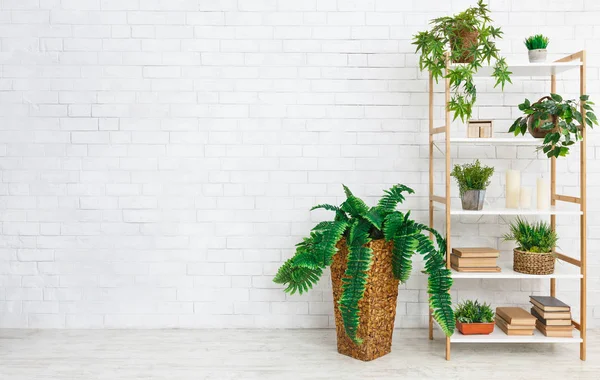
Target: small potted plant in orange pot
{"points": [[474, 318]]}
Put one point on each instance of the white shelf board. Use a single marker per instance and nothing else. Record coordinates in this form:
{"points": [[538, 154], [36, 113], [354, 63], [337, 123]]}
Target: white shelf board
{"points": [[544, 69], [498, 336], [488, 210], [495, 141], [560, 271]]}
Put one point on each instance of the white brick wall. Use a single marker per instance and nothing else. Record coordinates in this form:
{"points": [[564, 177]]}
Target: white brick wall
{"points": [[158, 158]]}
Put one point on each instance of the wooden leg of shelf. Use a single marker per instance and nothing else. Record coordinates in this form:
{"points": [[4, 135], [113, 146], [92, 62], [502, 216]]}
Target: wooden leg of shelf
{"points": [[553, 287], [447, 348]]}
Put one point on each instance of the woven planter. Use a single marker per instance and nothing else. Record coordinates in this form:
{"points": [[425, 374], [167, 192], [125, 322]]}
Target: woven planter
{"points": [[533, 263], [377, 308], [467, 40]]}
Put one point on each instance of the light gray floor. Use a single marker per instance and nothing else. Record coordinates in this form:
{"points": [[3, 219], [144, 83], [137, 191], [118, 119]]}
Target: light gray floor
{"points": [[273, 354]]}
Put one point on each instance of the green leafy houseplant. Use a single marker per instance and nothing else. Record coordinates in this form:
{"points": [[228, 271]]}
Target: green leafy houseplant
{"points": [[557, 120], [538, 41], [532, 237], [474, 312], [472, 176], [469, 38], [359, 224]]}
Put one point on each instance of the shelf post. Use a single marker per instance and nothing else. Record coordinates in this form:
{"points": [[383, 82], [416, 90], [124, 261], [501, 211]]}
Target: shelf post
{"points": [[553, 189], [448, 204], [431, 180], [583, 220]]}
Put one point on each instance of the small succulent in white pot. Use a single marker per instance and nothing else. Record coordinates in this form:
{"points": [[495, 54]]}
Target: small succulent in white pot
{"points": [[537, 48]]}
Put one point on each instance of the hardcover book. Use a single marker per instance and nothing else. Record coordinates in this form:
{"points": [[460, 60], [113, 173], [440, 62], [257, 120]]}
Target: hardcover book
{"points": [[473, 262], [547, 303], [512, 330], [551, 322], [475, 252], [552, 314], [562, 332], [476, 269], [516, 316]]}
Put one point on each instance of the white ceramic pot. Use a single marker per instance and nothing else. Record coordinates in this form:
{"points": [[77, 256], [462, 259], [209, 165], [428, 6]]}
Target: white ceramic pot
{"points": [[538, 55]]}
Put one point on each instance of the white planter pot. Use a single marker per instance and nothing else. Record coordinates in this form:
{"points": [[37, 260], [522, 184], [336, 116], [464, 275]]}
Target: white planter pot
{"points": [[538, 55]]}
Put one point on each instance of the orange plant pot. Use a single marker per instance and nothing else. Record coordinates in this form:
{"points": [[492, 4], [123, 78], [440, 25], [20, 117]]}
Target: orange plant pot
{"points": [[475, 328]]}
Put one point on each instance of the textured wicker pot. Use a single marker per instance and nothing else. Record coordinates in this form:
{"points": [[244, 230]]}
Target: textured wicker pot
{"points": [[473, 199], [538, 55], [533, 263], [475, 328], [539, 133], [377, 308], [468, 39]]}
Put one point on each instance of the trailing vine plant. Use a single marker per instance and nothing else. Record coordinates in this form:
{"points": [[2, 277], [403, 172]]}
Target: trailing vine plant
{"points": [[468, 37], [359, 224]]}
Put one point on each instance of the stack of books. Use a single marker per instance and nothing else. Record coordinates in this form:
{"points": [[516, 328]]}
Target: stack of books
{"points": [[553, 316], [474, 259], [515, 321]]}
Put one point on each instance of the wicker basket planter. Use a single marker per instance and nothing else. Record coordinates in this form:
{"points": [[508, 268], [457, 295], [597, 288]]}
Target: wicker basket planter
{"points": [[377, 308], [533, 263]]}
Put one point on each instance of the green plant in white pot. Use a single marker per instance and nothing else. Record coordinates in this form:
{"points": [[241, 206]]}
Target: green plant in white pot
{"points": [[536, 45]]}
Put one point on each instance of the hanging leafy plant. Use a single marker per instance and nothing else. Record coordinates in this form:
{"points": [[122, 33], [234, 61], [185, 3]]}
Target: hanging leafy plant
{"points": [[359, 224], [557, 120], [469, 39]]}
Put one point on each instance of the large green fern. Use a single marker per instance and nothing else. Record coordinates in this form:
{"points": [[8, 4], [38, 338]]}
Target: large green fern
{"points": [[359, 224], [355, 277]]}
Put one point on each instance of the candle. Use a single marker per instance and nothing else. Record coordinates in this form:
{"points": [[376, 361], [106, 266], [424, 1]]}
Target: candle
{"points": [[525, 198], [513, 187], [543, 194]]}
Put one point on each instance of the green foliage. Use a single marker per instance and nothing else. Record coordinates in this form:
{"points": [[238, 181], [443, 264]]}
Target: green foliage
{"points": [[452, 33], [561, 117], [474, 312], [532, 237], [355, 277], [472, 176], [359, 224], [539, 41]]}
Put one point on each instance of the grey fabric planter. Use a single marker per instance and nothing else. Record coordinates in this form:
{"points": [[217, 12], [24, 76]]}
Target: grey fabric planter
{"points": [[473, 199], [537, 55]]}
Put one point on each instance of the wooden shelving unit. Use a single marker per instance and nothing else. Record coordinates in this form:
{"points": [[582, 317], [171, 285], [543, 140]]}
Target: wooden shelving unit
{"points": [[577, 205]]}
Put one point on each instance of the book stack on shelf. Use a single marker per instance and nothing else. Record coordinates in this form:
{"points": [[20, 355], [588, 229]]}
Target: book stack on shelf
{"points": [[553, 316], [515, 321], [474, 259]]}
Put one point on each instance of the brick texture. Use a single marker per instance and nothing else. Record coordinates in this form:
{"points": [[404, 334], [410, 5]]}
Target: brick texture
{"points": [[158, 158]]}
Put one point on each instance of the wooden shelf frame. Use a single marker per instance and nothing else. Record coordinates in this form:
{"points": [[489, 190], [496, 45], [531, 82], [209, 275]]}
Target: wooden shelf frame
{"points": [[571, 62]]}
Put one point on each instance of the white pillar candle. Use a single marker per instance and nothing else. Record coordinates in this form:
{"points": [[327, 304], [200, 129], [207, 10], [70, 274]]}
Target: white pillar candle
{"points": [[513, 188], [525, 198], [543, 194]]}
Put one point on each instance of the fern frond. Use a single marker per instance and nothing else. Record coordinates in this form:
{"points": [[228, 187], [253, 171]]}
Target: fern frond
{"points": [[297, 279], [393, 196], [347, 191], [391, 224], [405, 245], [376, 216], [354, 206], [325, 248], [340, 215], [355, 278]]}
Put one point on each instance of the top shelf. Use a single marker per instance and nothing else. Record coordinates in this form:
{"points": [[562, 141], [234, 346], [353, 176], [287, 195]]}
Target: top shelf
{"points": [[530, 69]]}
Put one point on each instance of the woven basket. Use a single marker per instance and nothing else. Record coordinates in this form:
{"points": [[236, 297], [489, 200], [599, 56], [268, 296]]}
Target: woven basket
{"points": [[465, 41], [377, 308], [533, 263]]}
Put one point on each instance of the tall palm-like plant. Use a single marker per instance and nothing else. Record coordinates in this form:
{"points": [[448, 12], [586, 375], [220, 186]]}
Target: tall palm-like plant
{"points": [[359, 224]]}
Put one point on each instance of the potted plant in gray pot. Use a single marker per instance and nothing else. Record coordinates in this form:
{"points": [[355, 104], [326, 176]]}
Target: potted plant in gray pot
{"points": [[536, 45], [472, 181]]}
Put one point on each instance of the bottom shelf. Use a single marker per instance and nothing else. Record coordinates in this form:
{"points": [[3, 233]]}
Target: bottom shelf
{"points": [[498, 336]]}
